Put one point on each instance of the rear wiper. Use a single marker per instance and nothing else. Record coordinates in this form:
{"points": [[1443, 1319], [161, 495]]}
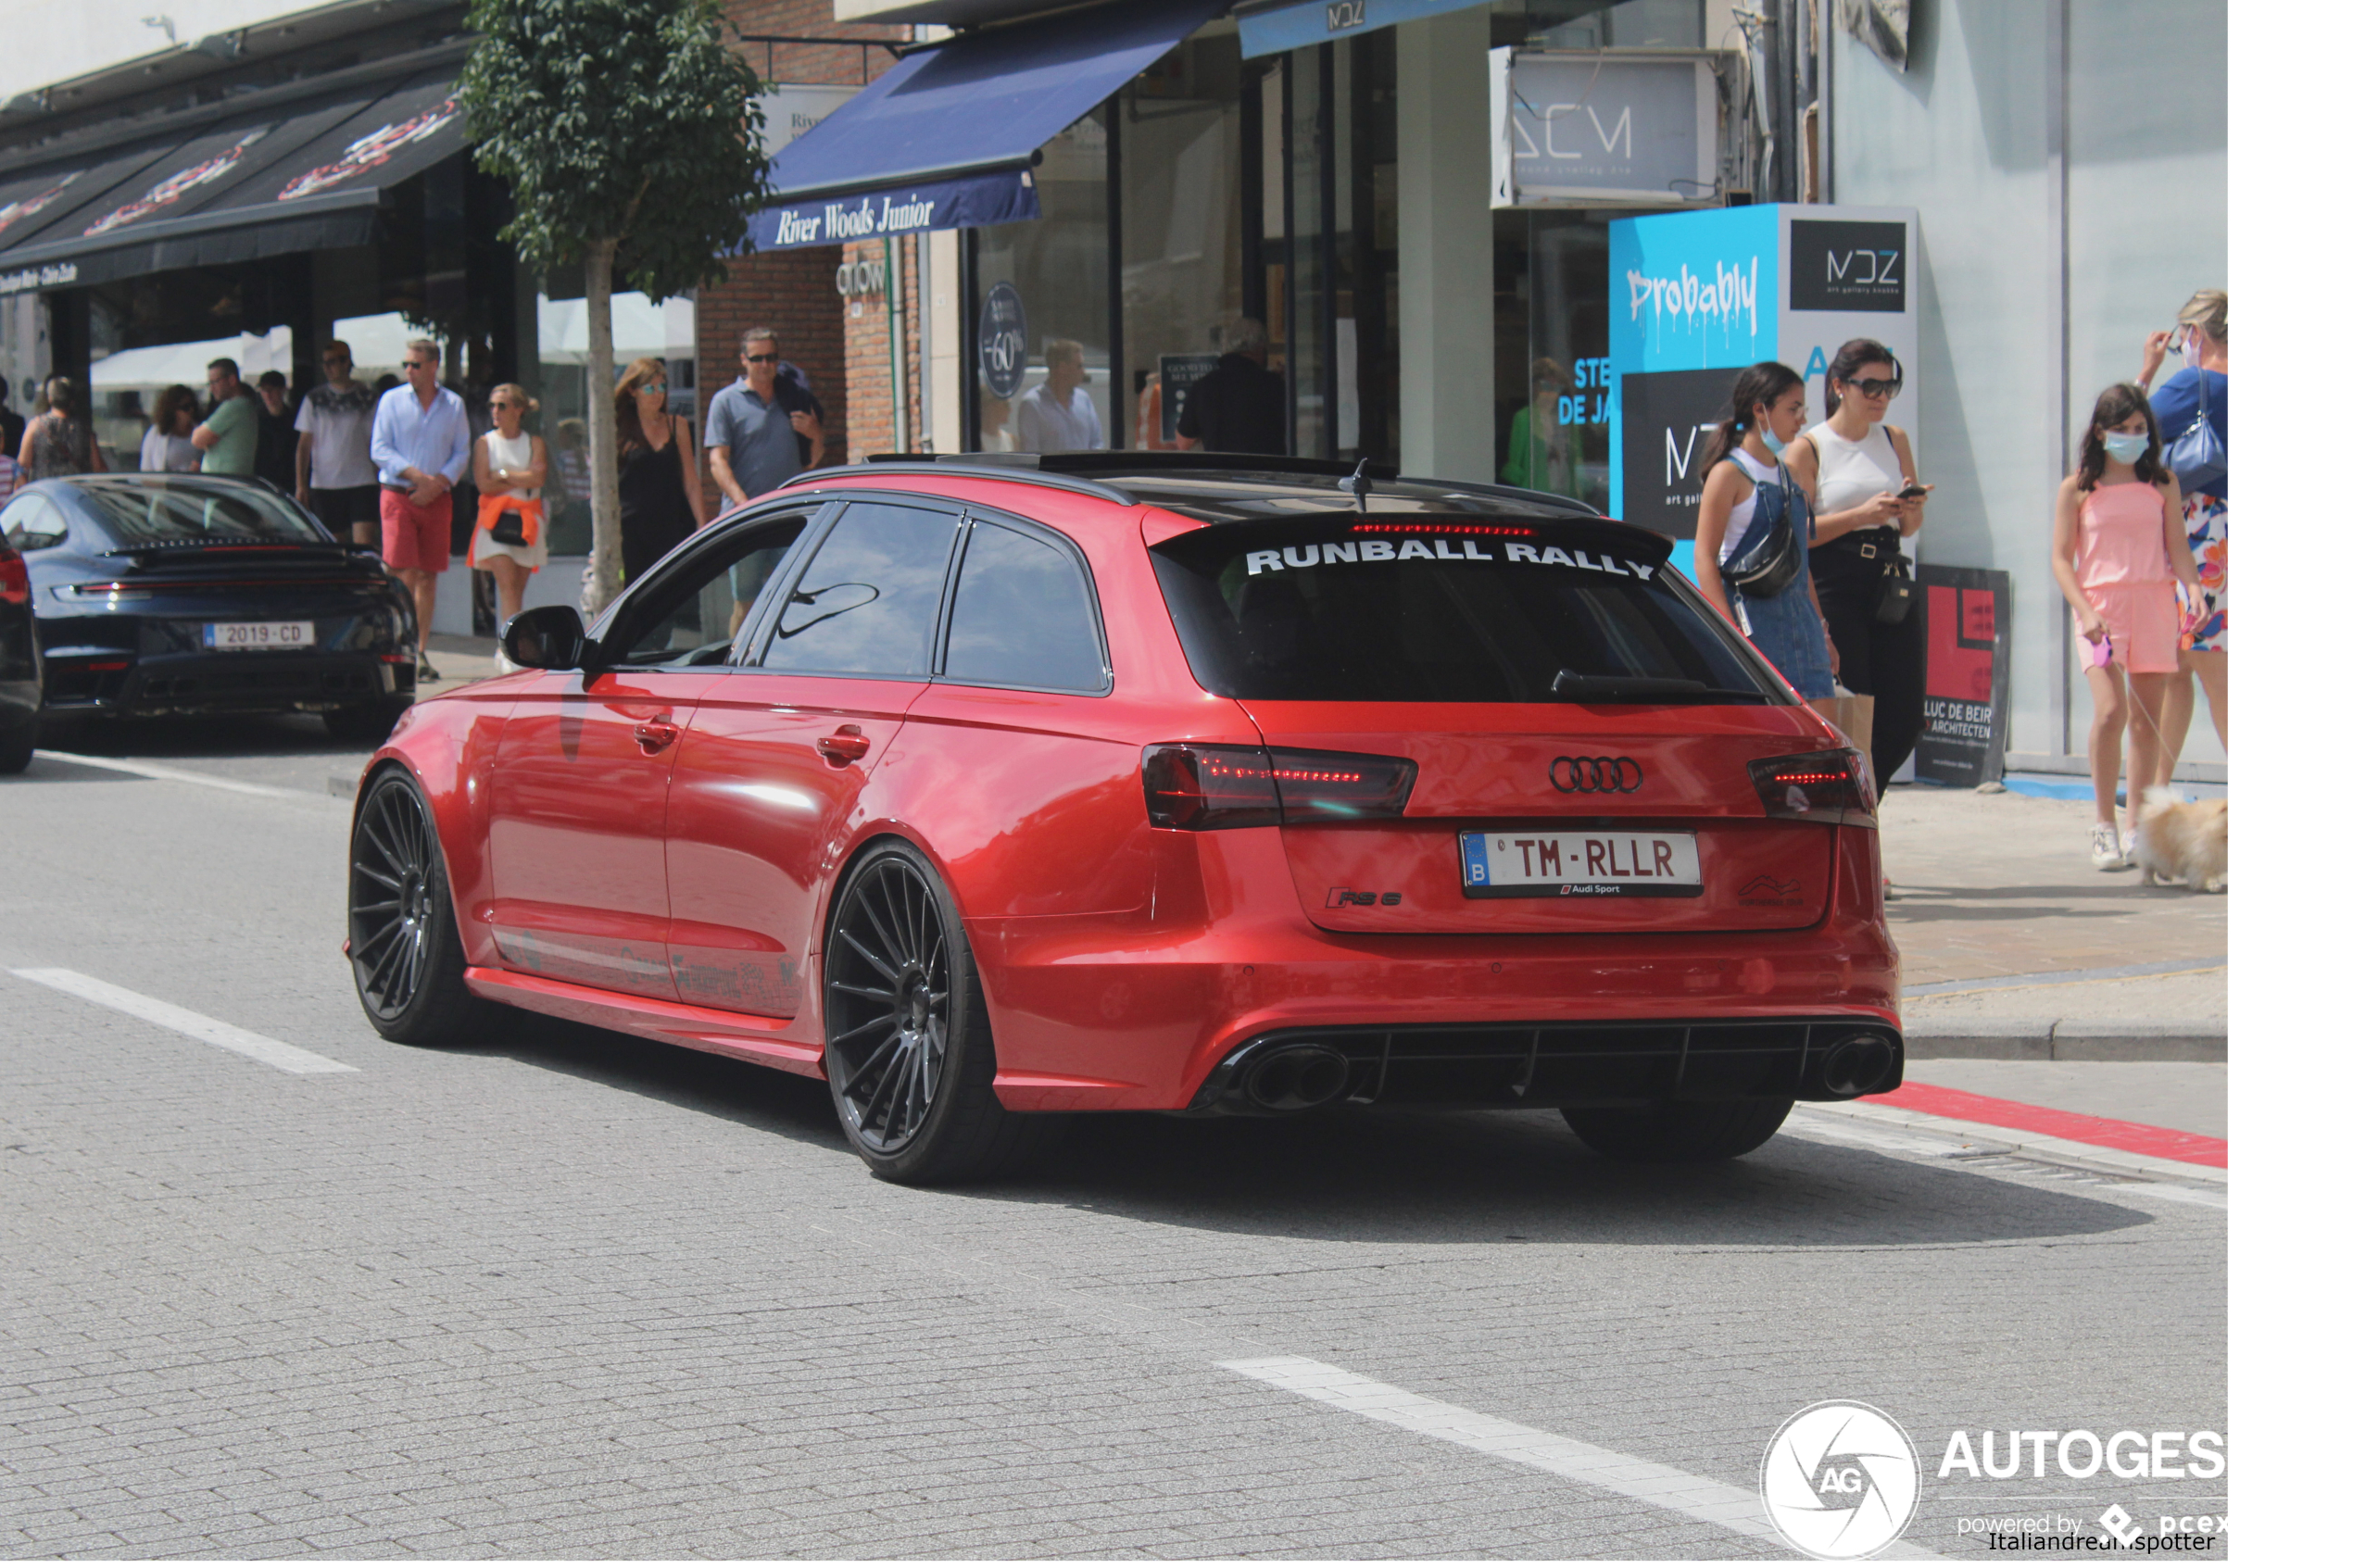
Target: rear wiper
{"points": [[1570, 686]]}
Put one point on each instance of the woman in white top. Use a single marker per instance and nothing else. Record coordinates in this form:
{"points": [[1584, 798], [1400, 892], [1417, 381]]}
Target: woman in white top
{"points": [[509, 467], [168, 446], [1858, 468]]}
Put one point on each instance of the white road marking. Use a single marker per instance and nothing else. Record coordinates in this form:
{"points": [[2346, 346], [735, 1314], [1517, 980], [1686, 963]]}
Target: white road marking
{"points": [[1663, 1486], [174, 775], [196, 1025]]}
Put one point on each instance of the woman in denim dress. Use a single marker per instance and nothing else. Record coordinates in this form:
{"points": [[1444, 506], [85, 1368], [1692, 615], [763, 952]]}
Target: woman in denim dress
{"points": [[1748, 490]]}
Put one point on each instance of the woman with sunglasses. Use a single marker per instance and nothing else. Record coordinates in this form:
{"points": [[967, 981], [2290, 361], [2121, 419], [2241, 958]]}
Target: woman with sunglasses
{"points": [[660, 479], [510, 468], [1856, 465]]}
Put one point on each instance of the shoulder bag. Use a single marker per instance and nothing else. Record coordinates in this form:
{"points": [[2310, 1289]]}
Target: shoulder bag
{"points": [[2197, 455], [1768, 558]]}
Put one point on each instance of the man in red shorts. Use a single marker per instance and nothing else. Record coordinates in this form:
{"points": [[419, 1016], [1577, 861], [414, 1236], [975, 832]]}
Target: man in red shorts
{"points": [[419, 442]]}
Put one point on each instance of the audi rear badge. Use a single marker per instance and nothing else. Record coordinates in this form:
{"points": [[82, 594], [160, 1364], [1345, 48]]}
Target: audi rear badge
{"points": [[1596, 776]]}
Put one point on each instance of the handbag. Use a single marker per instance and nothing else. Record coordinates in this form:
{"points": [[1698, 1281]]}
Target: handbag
{"points": [[1763, 567], [508, 530], [1898, 592], [2197, 455]]}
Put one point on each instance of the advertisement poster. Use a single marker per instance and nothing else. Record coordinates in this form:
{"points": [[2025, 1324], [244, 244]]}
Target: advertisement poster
{"points": [[1969, 676]]}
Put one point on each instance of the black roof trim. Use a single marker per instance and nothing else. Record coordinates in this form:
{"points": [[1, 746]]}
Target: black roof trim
{"points": [[969, 465]]}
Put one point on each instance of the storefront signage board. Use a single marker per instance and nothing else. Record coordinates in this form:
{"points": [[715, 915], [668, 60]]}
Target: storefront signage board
{"points": [[794, 107], [1697, 296], [1272, 29], [1968, 675], [1000, 196], [1177, 374], [1577, 128]]}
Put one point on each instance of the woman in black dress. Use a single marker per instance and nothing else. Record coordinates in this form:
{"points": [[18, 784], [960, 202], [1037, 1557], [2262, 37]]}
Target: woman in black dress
{"points": [[660, 497]]}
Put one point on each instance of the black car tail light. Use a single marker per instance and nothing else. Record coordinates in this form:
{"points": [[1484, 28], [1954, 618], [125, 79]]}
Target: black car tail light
{"points": [[1817, 786], [1198, 787]]}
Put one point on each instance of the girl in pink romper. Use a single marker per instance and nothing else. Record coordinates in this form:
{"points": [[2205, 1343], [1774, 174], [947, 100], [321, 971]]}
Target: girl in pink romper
{"points": [[2118, 548]]}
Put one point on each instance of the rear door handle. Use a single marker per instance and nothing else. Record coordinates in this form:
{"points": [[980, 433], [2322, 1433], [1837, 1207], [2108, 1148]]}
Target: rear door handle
{"points": [[845, 746], [654, 735]]}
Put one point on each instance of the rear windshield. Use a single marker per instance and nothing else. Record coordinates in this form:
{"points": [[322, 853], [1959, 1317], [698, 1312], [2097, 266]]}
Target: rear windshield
{"points": [[1368, 610], [161, 511]]}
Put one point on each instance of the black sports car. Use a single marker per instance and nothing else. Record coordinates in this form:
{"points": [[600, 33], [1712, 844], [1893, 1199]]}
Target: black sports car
{"points": [[155, 593]]}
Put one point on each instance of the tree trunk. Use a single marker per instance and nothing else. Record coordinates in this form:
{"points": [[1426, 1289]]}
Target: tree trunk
{"points": [[604, 436]]}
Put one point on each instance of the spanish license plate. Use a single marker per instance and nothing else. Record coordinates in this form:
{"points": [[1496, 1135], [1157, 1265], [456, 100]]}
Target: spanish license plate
{"points": [[1612, 864], [239, 635]]}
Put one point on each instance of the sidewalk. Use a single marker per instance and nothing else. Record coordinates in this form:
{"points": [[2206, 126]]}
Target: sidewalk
{"points": [[2015, 948]]}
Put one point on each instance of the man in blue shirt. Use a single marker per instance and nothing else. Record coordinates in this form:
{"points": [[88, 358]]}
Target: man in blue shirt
{"points": [[420, 442], [753, 437]]}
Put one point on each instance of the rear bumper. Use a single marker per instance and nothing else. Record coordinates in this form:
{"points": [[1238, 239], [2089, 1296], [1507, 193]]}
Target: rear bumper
{"points": [[212, 682], [1544, 1065]]}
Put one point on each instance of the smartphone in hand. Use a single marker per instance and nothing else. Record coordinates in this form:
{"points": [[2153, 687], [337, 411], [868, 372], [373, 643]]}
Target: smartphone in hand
{"points": [[1913, 490]]}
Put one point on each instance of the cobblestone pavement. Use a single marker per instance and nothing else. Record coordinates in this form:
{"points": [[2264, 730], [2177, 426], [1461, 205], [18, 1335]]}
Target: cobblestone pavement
{"points": [[567, 1294]]}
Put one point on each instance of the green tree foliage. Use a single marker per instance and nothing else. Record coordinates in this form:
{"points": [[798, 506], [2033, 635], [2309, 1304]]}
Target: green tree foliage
{"points": [[630, 134]]}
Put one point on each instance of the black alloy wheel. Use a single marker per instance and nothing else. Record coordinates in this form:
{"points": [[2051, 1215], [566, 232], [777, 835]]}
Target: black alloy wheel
{"points": [[406, 958], [1678, 1134], [908, 1049]]}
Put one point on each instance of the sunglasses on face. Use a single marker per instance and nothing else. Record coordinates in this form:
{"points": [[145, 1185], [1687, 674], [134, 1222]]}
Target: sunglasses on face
{"points": [[760, 359], [334, 360], [1875, 388], [496, 403], [414, 365], [655, 389]]}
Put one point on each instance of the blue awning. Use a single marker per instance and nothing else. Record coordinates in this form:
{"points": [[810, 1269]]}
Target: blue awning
{"points": [[947, 138], [1271, 28]]}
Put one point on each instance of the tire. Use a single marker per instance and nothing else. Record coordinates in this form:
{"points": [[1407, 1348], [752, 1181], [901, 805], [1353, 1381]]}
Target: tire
{"points": [[370, 723], [407, 961], [16, 749], [1680, 1134], [909, 1055]]}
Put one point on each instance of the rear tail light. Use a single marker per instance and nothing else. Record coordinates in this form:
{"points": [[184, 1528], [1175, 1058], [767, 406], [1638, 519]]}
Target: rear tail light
{"points": [[16, 587], [1817, 786], [1241, 786]]}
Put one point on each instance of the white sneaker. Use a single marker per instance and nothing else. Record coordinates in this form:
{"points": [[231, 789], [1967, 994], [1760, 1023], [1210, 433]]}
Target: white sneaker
{"points": [[2132, 846], [2107, 854]]}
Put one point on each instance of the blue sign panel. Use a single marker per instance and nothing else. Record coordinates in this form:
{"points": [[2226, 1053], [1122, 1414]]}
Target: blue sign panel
{"points": [[1692, 291], [1001, 196], [1278, 28]]}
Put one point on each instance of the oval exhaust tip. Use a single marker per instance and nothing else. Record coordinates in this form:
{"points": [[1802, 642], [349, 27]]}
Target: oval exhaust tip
{"points": [[1297, 1078], [1858, 1066]]}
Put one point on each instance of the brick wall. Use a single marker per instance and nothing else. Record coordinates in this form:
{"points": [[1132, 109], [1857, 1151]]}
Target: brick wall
{"points": [[865, 322], [793, 290]]}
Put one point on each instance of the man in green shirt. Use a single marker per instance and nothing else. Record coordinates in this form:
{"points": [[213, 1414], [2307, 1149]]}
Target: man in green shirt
{"points": [[230, 431]]}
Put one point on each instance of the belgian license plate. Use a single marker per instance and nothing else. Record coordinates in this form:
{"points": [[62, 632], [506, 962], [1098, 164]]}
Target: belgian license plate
{"points": [[227, 634], [1612, 864]]}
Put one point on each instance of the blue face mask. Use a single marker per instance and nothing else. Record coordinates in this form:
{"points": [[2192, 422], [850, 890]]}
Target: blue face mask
{"points": [[2125, 448], [1773, 443]]}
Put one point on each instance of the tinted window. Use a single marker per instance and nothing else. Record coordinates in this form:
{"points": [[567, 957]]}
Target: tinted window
{"points": [[1024, 616], [867, 603], [1424, 612], [685, 613], [156, 509]]}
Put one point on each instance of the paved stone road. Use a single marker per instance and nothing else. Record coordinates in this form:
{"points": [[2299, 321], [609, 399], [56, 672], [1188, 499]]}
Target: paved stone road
{"points": [[570, 1294]]}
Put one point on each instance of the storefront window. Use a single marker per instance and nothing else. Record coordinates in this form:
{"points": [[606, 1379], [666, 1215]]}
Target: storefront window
{"points": [[1053, 275], [1180, 149], [641, 330], [1559, 440]]}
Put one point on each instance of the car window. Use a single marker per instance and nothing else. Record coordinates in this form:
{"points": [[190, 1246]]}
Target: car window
{"points": [[868, 601], [1024, 616], [148, 510], [33, 523], [1437, 611], [688, 611]]}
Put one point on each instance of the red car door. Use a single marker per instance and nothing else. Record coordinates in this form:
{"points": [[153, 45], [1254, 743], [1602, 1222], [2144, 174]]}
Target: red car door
{"points": [[581, 785], [771, 770]]}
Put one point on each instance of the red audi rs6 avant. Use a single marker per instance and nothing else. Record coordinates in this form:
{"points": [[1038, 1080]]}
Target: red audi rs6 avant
{"points": [[987, 791]]}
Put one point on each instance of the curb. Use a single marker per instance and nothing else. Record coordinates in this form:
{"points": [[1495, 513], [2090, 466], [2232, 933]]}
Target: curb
{"points": [[2063, 1039], [1983, 1138]]}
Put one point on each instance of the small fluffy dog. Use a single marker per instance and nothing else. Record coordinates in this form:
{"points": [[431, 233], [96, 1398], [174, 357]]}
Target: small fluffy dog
{"points": [[2184, 841]]}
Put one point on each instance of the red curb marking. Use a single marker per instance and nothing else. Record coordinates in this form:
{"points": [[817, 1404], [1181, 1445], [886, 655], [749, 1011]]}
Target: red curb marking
{"points": [[2131, 1137]]}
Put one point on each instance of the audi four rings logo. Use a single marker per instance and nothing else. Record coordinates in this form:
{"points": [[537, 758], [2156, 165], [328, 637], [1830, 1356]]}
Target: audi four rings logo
{"points": [[1596, 776]]}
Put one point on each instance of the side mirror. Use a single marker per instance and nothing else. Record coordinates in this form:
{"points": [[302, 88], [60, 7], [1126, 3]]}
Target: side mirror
{"points": [[550, 637]]}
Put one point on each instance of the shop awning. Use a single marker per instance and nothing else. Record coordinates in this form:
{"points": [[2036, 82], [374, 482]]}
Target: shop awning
{"points": [[1277, 25], [307, 176], [947, 138]]}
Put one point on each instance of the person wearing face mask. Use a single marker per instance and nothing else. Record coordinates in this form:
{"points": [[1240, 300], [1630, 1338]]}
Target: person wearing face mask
{"points": [[2117, 549], [1748, 490], [2202, 336]]}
